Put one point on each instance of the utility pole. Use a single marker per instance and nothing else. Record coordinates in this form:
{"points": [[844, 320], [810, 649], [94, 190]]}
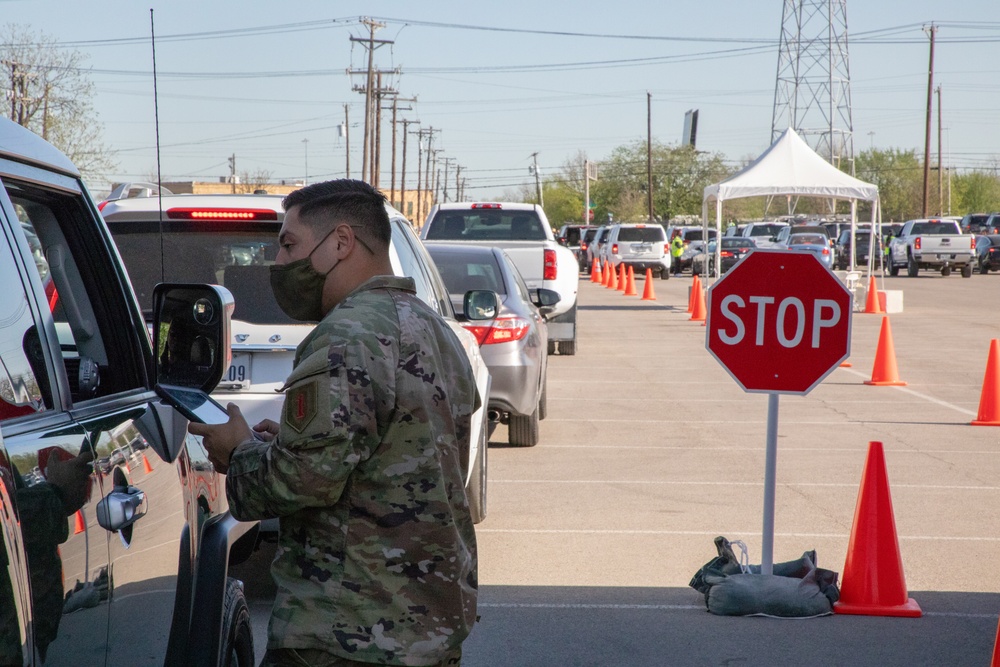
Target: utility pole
{"points": [[940, 173], [932, 31], [347, 145], [402, 184], [649, 154], [458, 191], [538, 180], [232, 172], [436, 175], [427, 171], [444, 184], [371, 44], [395, 108], [305, 142], [588, 169], [420, 171]]}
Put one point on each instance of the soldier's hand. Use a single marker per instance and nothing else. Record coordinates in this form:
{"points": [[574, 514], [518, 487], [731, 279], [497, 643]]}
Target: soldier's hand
{"points": [[72, 476], [266, 430], [220, 440]]}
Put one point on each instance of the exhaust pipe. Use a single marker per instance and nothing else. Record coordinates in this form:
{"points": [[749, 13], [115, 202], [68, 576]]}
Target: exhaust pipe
{"points": [[493, 415]]}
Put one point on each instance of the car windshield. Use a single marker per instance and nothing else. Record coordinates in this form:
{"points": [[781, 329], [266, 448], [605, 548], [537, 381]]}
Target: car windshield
{"points": [[641, 235], [765, 230], [463, 271], [697, 234], [237, 257], [737, 243], [486, 225]]}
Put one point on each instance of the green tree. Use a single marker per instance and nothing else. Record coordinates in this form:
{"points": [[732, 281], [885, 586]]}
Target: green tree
{"points": [[899, 177], [975, 192], [50, 94]]}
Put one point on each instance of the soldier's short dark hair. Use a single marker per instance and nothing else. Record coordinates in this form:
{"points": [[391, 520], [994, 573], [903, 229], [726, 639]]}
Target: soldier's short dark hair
{"points": [[322, 205]]}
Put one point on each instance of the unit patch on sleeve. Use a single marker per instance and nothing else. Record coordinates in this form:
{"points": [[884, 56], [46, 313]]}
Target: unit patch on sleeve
{"points": [[300, 405]]}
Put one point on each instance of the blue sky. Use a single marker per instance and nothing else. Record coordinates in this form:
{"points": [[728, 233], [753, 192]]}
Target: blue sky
{"points": [[267, 81]]}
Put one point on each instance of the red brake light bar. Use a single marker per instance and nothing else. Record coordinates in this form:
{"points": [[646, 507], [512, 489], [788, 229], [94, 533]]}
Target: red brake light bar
{"points": [[221, 214], [487, 206]]}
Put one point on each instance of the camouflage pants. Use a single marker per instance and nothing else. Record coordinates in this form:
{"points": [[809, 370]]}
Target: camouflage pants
{"points": [[310, 657]]}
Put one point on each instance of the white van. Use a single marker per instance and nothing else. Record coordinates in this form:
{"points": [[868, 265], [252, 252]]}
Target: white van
{"points": [[641, 246]]}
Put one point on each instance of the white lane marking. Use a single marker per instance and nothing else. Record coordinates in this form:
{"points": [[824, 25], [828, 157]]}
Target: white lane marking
{"points": [[825, 536], [852, 485], [925, 397]]}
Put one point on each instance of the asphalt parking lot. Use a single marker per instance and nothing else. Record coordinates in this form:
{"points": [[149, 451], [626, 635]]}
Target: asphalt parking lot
{"points": [[650, 450]]}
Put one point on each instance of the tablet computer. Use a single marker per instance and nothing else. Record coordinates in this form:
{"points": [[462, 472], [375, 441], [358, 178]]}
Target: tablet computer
{"points": [[194, 404]]}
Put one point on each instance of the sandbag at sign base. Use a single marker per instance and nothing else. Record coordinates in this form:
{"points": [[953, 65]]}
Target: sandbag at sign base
{"points": [[798, 589]]}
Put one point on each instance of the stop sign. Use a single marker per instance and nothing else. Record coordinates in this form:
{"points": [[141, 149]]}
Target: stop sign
{"points": [[779, 321]]}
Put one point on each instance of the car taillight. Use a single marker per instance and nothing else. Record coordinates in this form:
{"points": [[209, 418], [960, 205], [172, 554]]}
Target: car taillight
{"points": [[972, 242], [916, 243], [502, 330], [221, 214], [726, 253], [826, 251], [666, 248], [550, 265], [614, 248], [583, 245]]}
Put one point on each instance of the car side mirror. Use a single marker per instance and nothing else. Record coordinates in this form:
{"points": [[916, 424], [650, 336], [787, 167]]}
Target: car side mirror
{"points": [[545, 299], [480, 304], [191, 334]]}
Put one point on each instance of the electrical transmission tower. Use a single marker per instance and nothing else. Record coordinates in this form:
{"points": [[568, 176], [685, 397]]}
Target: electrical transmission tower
{"points": [[812, 93]]}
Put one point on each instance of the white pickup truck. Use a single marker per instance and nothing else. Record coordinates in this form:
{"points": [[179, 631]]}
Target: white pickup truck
{"points": [[524, 233], [932, 244]]}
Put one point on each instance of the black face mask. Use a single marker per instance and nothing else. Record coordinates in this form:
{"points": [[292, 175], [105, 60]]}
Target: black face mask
{"points": [[298, 287]]}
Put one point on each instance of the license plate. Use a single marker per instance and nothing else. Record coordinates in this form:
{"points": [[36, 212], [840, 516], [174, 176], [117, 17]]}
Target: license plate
{"points": [[238, 373]]}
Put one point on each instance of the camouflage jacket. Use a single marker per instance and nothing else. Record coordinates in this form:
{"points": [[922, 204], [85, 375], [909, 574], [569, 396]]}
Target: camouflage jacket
{"points": [[376, 557]]}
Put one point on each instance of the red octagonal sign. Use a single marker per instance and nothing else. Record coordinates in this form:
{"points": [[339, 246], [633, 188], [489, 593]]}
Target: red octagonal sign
{"points": [[779, 321]]}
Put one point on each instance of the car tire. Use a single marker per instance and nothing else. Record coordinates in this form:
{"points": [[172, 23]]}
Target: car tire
{"points": [[967, 271], [477, 481], [893, 269], [984, 270], [664, 274], [522, 430], [237, 651], [567, 347], [552, 347], [945, 271], [911, 267]]}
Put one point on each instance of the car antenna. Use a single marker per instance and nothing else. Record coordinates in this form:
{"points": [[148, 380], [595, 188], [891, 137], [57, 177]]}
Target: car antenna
{"points": [[156, 122]]}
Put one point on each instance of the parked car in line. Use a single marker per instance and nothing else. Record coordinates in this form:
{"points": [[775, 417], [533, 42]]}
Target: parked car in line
{"points": [[524, 232], [103, 563], [514, 343], [978, 223], [764, 234], [931, 243], [571, 236], [862, 248], [988, 253], [586, 263], [691, 251], [731, 251], [596, 247], [232, 240], [639, 246], [818, 244]]}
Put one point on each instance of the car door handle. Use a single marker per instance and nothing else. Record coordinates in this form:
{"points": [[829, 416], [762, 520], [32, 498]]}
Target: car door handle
{"points": [[121, 508]]}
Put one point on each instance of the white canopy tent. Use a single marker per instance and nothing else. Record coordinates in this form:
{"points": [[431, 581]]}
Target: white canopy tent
{"points": [[790, 167]]}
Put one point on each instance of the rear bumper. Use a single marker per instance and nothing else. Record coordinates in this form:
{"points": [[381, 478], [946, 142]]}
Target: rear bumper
{"points": [[514, 388]]}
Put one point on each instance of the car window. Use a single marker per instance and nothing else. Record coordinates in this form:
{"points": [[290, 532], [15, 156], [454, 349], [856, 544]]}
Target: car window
{"points": [[85, 292], [640, 234], [235, 255], [765, 230], [468, 270], [486, 225], [22, 391], [413, 261], [807, 239]]}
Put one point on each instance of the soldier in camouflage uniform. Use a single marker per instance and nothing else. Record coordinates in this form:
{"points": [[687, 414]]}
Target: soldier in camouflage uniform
{"points": [[376, 560]]}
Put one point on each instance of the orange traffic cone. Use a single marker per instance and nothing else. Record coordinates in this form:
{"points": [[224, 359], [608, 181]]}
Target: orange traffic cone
{"points": [[80, 525], [989, 399], [699, 312], [695, 286], [595, 272], [612, 277], [884, 373], [630, 283], [871, 303], [647, 290], [604, 274], [145, 465], [622, 277], [873, 583]]}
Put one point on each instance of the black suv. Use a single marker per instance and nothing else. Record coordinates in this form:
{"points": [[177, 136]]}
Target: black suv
{"points": [[115, 538]]}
